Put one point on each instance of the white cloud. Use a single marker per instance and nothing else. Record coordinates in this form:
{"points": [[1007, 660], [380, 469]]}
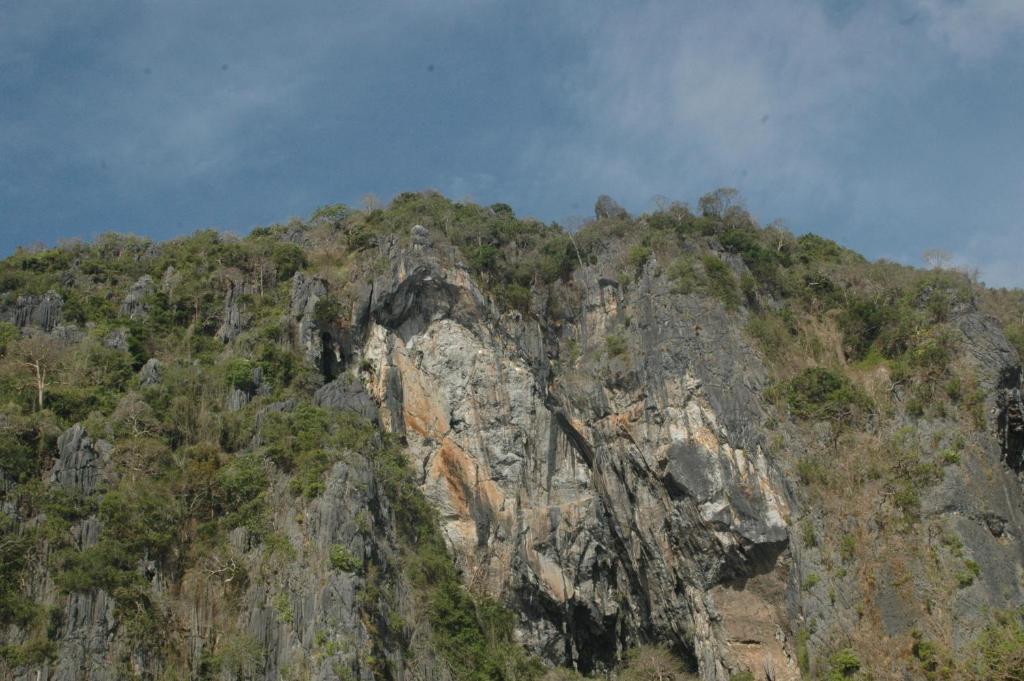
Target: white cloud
{"points": [[673, 93], [775, 98]]}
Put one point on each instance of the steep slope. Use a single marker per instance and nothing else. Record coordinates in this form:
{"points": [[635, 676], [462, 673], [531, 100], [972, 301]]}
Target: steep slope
{"points": [[246, 458]]}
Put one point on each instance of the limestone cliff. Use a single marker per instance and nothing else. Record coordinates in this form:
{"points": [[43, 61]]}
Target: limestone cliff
{"points": [[619, 460]]}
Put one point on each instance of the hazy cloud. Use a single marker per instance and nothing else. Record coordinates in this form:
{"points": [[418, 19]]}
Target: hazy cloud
{"points": [[891, 126], [973, 29], [794, 107]]}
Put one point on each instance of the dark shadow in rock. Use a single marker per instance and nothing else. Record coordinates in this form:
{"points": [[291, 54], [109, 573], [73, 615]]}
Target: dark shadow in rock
{"points": [[1010, 419]]}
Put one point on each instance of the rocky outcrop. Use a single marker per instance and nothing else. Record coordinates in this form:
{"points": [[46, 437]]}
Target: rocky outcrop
{"points": [[236, 400], [346, 393], [614, 474], [307, 337], [81, 460], [149, 374], [134, 304], [31, 310], [117, 340], [68, 334], [1010, 419], [607, 208], [89, 625], [231, 319], [420, 237], [88, 621], [602, 497]]}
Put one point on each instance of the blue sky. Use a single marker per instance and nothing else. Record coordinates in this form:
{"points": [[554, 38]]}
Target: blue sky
{"points": [[893, 127]]}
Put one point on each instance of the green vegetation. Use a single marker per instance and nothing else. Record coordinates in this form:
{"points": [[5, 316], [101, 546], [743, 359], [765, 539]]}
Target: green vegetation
{"points": [[238, 654], [721, 281], [823, 394], [968, 574], [306, 441], [342, 559], [867, 358], [847, 547], [803, 658], [843, 664], [926, 653], [473, 635], [240, 489], [998, 653], [615, 344], [683, 276], [638, 256], [15, 606]]}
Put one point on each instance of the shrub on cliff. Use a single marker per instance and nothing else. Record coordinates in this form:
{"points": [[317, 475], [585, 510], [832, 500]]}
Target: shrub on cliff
{"points": [[822, 394]]}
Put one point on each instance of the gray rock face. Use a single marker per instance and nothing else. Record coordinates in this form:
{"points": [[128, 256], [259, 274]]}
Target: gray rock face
{"points": [[150, 372], [420, 236], [236, 400], [306, 293], [302, 613], [31, 310], [606, 207], [1010, 419], [409, 300], [90, 626], [261, 386], [81, 461], [601, 501], [346, 393], [134, 306], [117, 340], [69, 334], [231, 319], [608, 497]]}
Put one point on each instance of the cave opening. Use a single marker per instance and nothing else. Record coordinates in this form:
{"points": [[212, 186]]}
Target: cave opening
{"points": [[329, 364]]}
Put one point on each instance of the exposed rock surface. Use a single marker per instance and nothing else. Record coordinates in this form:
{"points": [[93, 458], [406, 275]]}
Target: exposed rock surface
{"points": [[346, 393], [117, 340], [603, 502], [88, 622], [68, 334], [80, 460], [306, 334], [607, 207], [420, 236], [134, 304], [31, 310], [616, 499], [1010, 422], [149, 374], [231, 322], [609, 476], [236, 399]]}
